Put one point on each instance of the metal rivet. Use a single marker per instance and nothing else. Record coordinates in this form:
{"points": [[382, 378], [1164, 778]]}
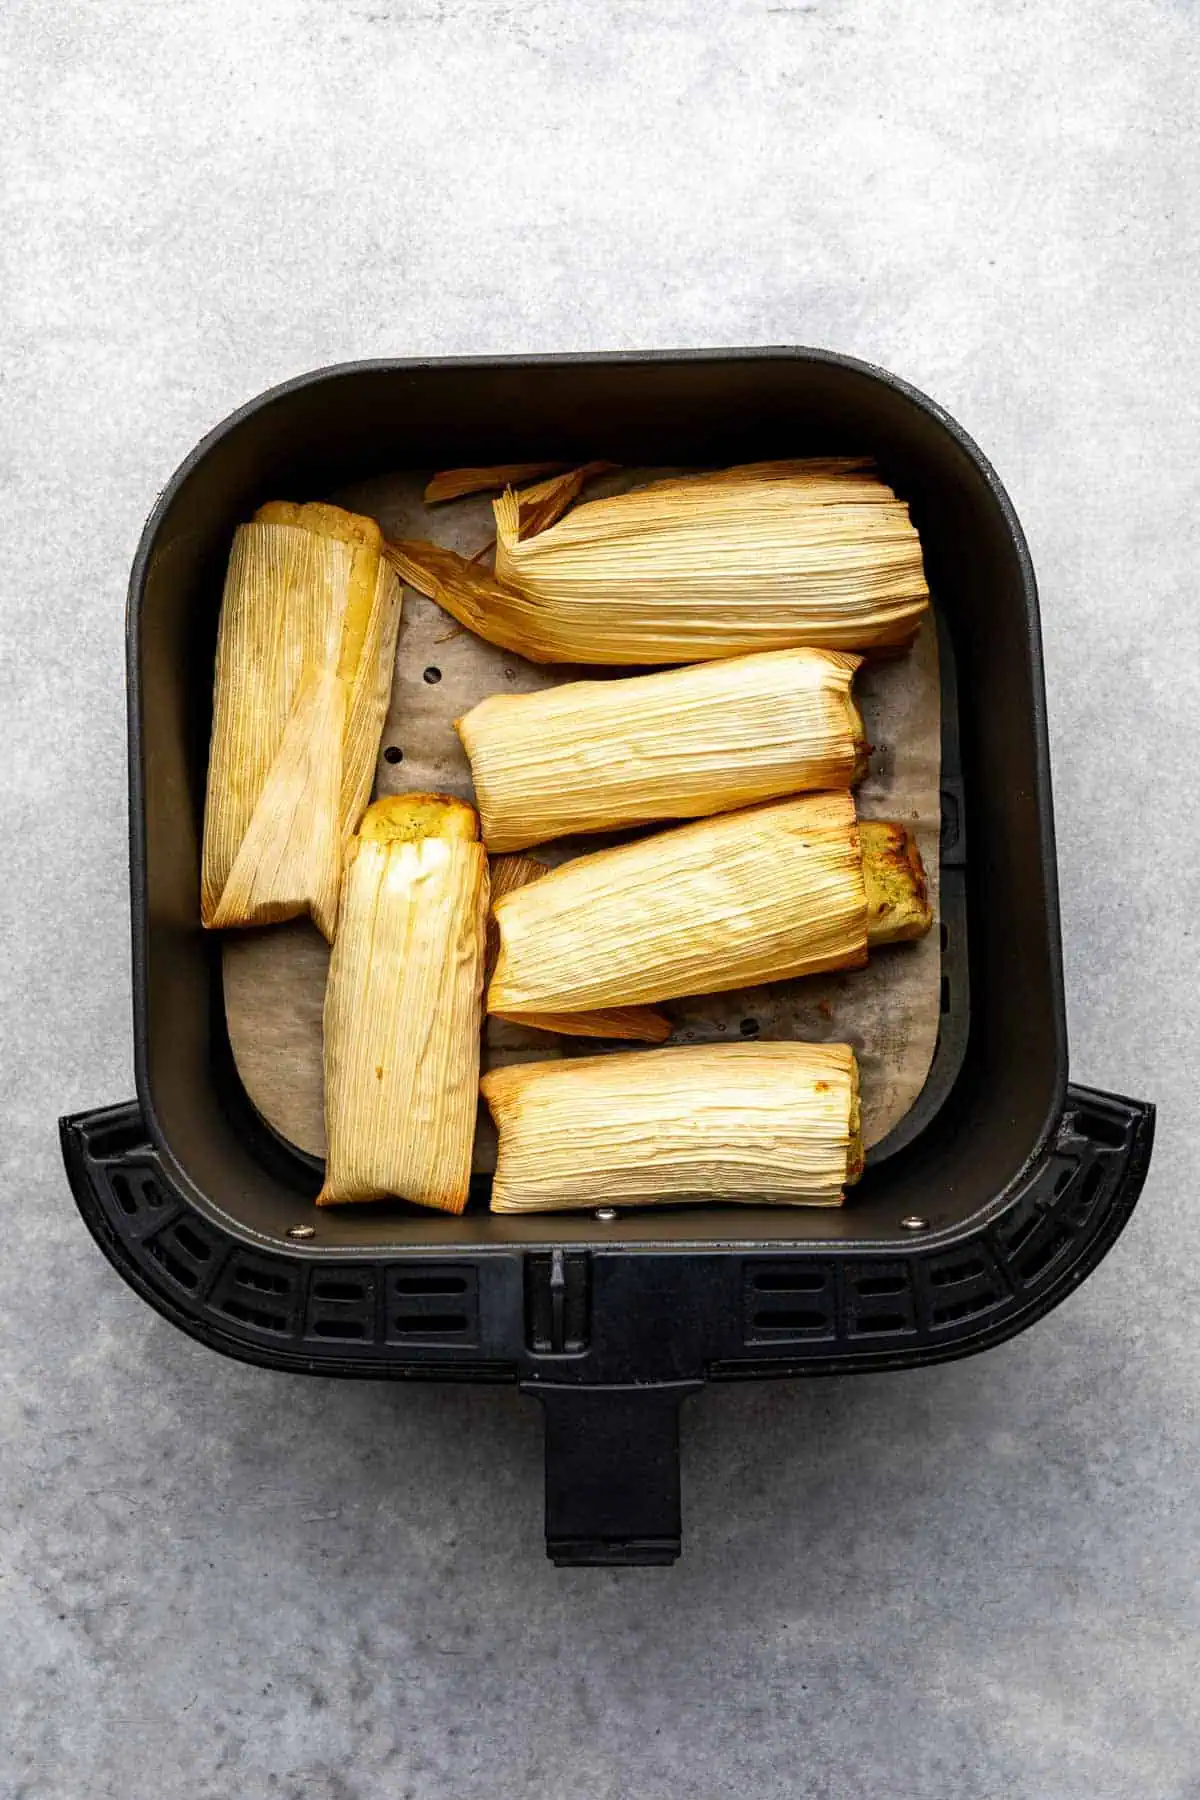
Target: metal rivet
{"points": [[606, 1214], [912, 1223], [301, 1232]]}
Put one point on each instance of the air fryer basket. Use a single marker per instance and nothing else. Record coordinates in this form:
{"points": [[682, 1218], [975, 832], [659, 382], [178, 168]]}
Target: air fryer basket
{"points": [[1000, 1192]]}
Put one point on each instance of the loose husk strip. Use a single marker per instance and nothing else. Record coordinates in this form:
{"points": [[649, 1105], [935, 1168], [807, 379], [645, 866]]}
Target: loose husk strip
{"points": [[403, 1006], [762, 895], [455, 484], [766, 1123], [596, 755], [305, 651], [464, 589], [636, 1024], [540, 506]]}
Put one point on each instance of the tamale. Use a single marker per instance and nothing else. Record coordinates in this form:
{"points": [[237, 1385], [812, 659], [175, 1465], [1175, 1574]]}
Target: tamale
{"points": [[765, 1123], [778, 890], [766, 556], [305, 650], [402, 1006], [595, 755], [637, 1024]]}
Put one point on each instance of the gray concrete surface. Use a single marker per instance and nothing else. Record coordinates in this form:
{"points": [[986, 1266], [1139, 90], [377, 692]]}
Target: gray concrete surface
{"points": [[973, 1582]]}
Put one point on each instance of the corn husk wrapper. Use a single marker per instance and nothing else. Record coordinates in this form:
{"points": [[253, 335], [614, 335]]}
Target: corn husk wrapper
{"points": [[774, 1123], [729, 902], [403, 1007], [766, 556], [305, 651], [596, 755], [541, 504], [455, 484], [460, 585], [636, 1024], [538, 507]]}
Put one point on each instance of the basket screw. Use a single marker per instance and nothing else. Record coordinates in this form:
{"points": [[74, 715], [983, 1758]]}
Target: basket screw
{"points": [[302, 1231], [606, 1214], [912, 1223]]}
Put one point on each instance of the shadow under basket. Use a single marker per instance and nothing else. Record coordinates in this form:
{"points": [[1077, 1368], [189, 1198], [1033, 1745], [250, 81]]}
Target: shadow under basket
{"points": [[996, 1197]]}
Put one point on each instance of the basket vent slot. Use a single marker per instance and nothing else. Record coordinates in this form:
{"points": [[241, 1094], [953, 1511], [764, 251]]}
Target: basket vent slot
{"points": [[874, 1322], [136, 1193], [962, 1286], [789, 1320], [784, 1302], [260, 1293], [871, 1285], [184, 1252], [124, 1195], [343, 1306], [1042, 1251], [258, 1316], [950, 1312], [1079, 1193], [175, 1267], [1089, 1192], [431, 1325], [879, 1299], [337, 1290], [262, 1281], [1013, 1232], [193, 1243], [783, 1282], [966, 1268], [433, 1305], [431, 1284]]}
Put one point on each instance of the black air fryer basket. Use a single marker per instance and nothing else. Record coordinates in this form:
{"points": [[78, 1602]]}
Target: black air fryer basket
{"points": [[998, 1195]]}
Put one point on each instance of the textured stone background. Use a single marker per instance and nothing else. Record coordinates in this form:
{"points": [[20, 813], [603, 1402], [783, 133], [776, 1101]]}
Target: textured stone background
{"points": [[975, 1581]]}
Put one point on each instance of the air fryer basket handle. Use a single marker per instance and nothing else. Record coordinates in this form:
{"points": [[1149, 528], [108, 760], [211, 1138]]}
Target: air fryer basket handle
{"points": [[612, 1472]]}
